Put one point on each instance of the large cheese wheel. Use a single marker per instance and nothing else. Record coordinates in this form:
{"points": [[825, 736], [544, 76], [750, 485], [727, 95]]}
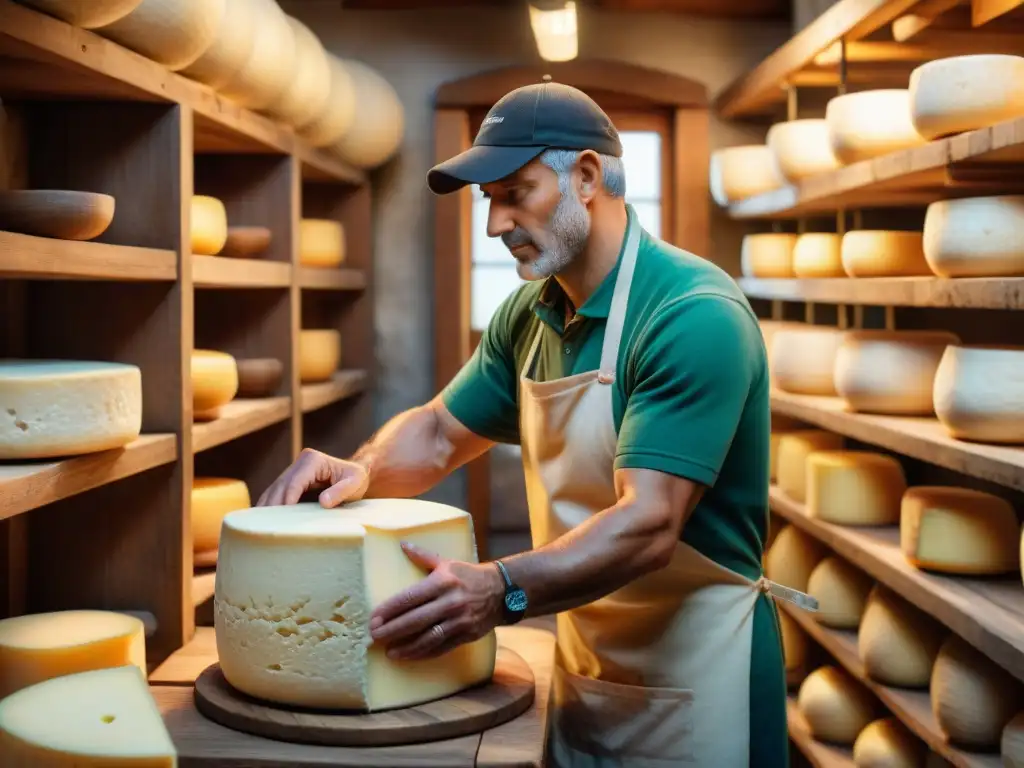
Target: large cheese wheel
{"points": [[836, 707], [854, 487], [791, 464], [212, 499], [336, 116], [52, 408], [803, 359], [975, 237], [890, 372], [321, 243], [972, 698], [319, 354], [231, 47], [214, 381], [884, 253], [841, 591], [886, 743], [959, 531], [868, 124], [738, 172], [979, 393], [792, 558], [818, 254], [801, 148], [305, 97], [209, 225], [87, 14], [794, 649], [270, 67], [379, 123], [767, 255], [296, 586], [1012, 743], [962, 93], [896, 642], [171, 32]]}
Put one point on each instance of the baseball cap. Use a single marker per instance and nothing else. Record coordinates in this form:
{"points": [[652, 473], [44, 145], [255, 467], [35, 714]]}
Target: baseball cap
{"points": [[519, 127]]}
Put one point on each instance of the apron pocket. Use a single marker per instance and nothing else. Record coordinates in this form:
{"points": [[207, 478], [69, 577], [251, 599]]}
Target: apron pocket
{"points": [[622, 722]]}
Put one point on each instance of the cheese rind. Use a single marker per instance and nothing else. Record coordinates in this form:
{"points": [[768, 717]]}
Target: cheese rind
{"points": [[319, 354], [214, 380], [803, 359], [794, 649], [209, 225], [1012, 744], [295, 590], [738, 172], [841, 591], [884, 253], [792, 558], [836, 707], [975, 237], [886, 743], [801, 148], [376, 132], [818, 254], [321, 243], [896, 642], [85, 14], [53, 408], [271, 65], [173, 33], [869, 124], [854, 487], [230, 49], [310, 87], [767, 255], [979, 393], [212, 499], [794, 448]]}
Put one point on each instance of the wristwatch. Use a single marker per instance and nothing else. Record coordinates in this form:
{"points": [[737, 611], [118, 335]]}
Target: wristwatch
{"points": [[515, 598]]}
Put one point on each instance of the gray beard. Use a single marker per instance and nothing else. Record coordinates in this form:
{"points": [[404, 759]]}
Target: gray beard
{"points": [[565, 239]]}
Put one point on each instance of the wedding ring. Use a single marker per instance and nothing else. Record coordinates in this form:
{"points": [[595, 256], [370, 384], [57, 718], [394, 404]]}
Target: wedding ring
{"points": [[438, 630]]}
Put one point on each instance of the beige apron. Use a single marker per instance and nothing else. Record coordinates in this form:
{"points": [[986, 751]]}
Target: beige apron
{"points": [[657, 673]]}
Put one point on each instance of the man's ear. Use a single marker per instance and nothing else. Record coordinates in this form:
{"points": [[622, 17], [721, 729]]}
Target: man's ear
{"points": [[590, 175]]}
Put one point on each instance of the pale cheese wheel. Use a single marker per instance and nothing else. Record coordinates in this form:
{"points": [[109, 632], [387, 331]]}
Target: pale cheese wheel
{"points": [[270, 67], [54, 408], [896, 642], [836, 707], [231, 47], [305, 97], [170, 32], [891, 372], [886, 743], [40, 646], [963, 93], [794, 448], [959, 531], [801, 148], [1012, 743], [869, 124], [794, 649], [972, 698], [979, 393], [802, 360], [818, 254], [854, 487], [884, 253], [792, 558], [738, 172], [86, 14], [378, 127], [321, 243], [336, 117], [975, 237], [214, 380], [209, 225], [841, 591], [319, 354], [767, 255], [212, 499]]}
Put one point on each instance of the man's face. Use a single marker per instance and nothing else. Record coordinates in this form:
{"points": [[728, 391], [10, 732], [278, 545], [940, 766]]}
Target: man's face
{"points": [[544, 227]]}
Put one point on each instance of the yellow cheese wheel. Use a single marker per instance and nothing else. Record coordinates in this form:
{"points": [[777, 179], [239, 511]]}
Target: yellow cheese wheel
{"points": [[962, 93], [794, 448], [794, 649], [231, 47], [803, 359], [170, 32], [768, 330], [319, 354], [975, 237], [801, 148], [897, 643], [214, 381], [212, 498], [972, 698], [884, 253], [1012, 743], [890, 372], [739, 172], [270, 67], [854, 487], [868, 124], [886, 743], [959, 531], [336, 116], [767, 255], [979, 393], [209, 225], [792, 558], [305, 97], [841, 591], [379, 124], [818, 254], [321, 243], [86, 14], [836, 707]]}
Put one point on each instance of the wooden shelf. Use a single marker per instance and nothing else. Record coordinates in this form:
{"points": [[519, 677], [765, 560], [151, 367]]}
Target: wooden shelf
{"points": [[922, 438], [223, 272], [28, 257], [30, 485], [331, 279], [344, 384], [988, 613], [238, 418], [912, 707], [961, 293], [203, 583], [819, 754]]}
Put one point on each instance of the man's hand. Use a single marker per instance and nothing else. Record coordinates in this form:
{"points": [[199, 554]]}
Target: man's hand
{"points": [[344, 481], [457, 603]]}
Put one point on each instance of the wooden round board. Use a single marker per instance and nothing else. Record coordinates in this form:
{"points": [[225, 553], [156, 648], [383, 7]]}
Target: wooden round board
{"points": [[509, 693]]}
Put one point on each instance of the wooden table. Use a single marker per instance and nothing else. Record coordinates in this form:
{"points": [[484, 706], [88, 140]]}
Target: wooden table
{"points": [[201, 743]]}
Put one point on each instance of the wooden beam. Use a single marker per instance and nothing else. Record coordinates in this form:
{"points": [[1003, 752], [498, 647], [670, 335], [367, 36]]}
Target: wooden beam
{"points": [[984, 11], [936, 46], [924, 15]]}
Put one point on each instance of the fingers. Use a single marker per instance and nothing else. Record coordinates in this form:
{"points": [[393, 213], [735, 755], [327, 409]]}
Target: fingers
{"points": [[418, 594], [423, 558], [436, 640], [350, 486], [316, 470], [411, 624]]}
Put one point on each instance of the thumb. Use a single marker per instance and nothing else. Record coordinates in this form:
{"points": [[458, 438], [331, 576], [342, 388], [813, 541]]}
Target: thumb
{"points": [[349, 487], [422, 557]]}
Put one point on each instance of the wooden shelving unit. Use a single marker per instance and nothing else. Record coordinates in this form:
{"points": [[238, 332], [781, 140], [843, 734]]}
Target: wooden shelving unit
{"points": [[962, 293], [819, 754]]}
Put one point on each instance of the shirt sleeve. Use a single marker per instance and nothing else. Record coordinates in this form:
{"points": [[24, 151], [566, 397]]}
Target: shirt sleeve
{"points": [[693, 368]]}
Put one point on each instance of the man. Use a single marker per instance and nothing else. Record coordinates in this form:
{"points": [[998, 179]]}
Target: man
{"points": [[634, 376]]}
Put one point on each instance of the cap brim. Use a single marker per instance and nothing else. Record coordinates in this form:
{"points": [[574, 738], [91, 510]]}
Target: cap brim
{"points": [[479, 165]]}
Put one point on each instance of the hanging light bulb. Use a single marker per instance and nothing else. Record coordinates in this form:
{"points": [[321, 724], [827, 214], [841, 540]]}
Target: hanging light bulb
{"points": [[554, 28]]}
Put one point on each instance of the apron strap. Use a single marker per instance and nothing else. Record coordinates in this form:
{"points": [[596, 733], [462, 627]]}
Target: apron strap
{"points": [[528, 365], [620, 298], [797, 598]]}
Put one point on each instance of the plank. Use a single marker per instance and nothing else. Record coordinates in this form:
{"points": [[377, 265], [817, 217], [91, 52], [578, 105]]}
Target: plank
{"points": [[819, 754], [960, 293], [344, 384], [922, 438], [984, 11], [344, 279], [987, 613], [203, 583], [29, 485], [238, 418], [224, 272], [26, 256], [320, 165]]}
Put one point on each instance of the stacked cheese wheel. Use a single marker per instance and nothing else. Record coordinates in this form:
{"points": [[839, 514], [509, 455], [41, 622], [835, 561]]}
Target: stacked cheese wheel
{"points": [[801, 148], [321, 243], [214, 382], [868, 124], [319, 354], [743, 171]]}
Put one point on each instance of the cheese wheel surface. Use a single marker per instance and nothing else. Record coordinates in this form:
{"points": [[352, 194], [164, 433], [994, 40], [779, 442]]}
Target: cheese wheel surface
{"points": [[739, 172], [1012, 742], [886, 743], [804, 359], [85, 14], [794, 650], [319, 354], [801, 148], [296, 586], [378, 127], [767, 255], [212, 499], [854, 487], [306, 96], [321, 243], [170, 32], [884, 253], [794, 448], [975, 237], [337, 115], [896, 642], [869, 124], [53, 408], [214, 379], [209, 225], [836, 707], [841, 591], [818, 254], [792, 558], [231, 47], [270, 67], [979, 393]]}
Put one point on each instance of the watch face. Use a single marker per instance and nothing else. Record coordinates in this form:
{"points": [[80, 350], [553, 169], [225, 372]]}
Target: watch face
{"points": [[515, 600]]}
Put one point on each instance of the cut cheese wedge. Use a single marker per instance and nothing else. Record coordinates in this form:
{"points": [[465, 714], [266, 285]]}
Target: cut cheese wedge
{"points": [[794, 448], [884, 253], [744, 171], [886, 743], [767, 255], [897, 643], [212, 499], [96, 719], [38, 646], [818, 254], [841, 591], [801, 148], [979, 393], [321, 243], [793, 557], [869, 124], [295, 589], [836, 707], [802, 360], [209, 225], [854, 487], [214, 381], [975, 237], [319, 354]]}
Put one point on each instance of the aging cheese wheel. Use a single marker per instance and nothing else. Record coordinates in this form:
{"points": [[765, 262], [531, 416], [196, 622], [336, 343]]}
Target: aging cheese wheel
{"points": [[890, 372], [209, 225], [962, 93], [38, 646], [214, 381], [868, 124], [306, 96], [792, 558], [801, 148], [52, 408], [379, 124], [975, 237], [886, 743], [739, 172], [170, 32], [972, 698], [794, 649], [884, 253], [270, 67], [802, 360], [979, 393], [897, 643], [767, 255], [86, 14], [319, 354], [336, 116], [854, 487], [794, 448], [212, 499], [841, 591], [1012, 744], [836, 707], [295, 589], [959, 531], [231, 47], [321, 243], [818, 254]]}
